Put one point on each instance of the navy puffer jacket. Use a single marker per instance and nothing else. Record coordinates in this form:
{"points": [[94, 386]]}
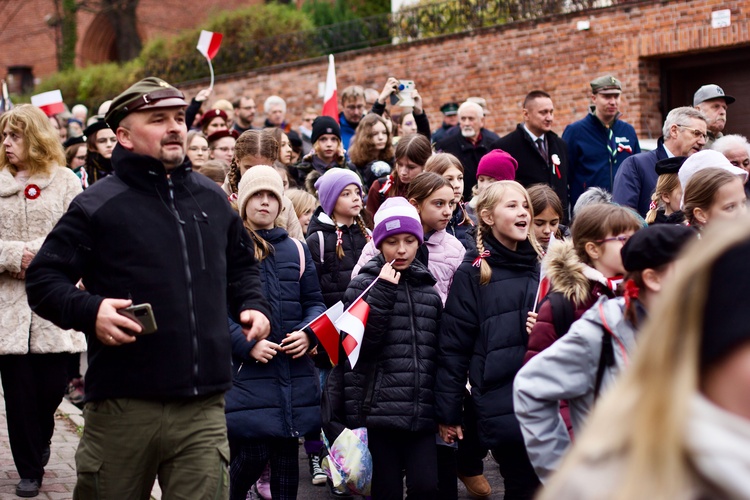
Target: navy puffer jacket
{"points": [[280, 399], [395, 374], [334, 274], [483, 332]]}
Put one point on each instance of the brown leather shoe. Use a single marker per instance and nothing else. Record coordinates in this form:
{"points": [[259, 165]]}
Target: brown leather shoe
{"points": [[477, 486]]}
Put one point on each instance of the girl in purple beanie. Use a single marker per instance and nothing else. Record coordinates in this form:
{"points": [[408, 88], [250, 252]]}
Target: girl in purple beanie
{"points": [[389, 390]]}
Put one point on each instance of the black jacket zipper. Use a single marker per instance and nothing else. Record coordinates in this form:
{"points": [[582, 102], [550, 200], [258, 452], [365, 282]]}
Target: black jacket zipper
{"points": [[415, 417], [189, 279]]}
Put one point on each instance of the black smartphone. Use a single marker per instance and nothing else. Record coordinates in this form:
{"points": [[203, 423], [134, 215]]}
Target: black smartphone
{"points": [[141, 314]]}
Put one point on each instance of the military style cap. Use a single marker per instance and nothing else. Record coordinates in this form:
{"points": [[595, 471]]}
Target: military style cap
{"points": [[72, 141], [712, 91], [149, 93], [608, 84], [220, 134], [449, 108]]}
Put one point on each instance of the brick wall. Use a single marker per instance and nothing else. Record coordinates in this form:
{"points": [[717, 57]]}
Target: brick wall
{"points": [[503, 63]]}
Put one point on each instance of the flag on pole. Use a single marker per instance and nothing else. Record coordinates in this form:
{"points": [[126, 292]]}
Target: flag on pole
{"points": [[5, 104], [352, 324], [50, 102], [330, 99], [324, 329], [208, 44]]}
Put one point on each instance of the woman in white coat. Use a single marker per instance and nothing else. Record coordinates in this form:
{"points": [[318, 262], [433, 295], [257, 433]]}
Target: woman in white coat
{"points": [[35, 190]]}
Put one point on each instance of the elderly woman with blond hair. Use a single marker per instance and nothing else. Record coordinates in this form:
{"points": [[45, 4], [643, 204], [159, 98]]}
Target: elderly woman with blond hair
{"points": [[35, 190]]}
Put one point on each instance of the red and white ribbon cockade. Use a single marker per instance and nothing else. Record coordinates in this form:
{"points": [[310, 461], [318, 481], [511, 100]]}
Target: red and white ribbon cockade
{"points": [[478, 261], [50, 102], [556, 165], [624, 147], [32, 191]]}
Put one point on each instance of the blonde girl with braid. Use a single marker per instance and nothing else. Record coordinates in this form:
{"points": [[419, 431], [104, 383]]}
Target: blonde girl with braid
{"points": [[483, 332], [258, 147]]}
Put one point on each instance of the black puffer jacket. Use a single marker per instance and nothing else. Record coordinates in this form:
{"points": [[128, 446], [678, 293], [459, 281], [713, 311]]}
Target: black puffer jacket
{"points": [[483, 332], [334, 273], [395, 374]]}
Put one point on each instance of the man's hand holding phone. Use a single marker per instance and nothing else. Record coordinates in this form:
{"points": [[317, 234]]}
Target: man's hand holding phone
{"points": [[111, 325]]}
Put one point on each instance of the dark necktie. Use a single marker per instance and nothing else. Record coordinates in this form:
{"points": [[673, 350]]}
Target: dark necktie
{"points": [[541, 148]]}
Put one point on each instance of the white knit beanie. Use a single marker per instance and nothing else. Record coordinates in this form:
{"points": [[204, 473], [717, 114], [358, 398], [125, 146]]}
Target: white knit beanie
{"points": [[256, 179]]}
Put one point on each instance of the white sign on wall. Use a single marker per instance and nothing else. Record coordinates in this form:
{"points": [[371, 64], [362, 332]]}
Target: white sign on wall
{"points": [[721, 18]]}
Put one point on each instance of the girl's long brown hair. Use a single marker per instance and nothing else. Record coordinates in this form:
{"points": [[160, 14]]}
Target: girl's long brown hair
{"points": [[362, 150]]}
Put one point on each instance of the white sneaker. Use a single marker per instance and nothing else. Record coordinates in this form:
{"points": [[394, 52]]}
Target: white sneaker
{"points": [[318, 476]]}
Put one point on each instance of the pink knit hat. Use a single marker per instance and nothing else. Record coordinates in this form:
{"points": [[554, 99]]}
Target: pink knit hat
{"points": [[499, 165]]}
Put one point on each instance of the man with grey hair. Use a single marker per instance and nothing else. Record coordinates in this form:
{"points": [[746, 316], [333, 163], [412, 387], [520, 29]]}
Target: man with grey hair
{"points": [[274, 108], [737, 150], [684, 133], [713, 102], [471, 144]]}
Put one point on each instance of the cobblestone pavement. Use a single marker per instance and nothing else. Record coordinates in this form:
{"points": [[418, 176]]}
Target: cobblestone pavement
{"points": [[60, 474]]}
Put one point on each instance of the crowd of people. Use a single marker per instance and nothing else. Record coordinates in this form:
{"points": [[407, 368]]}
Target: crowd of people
{"points": [[522, 293]]}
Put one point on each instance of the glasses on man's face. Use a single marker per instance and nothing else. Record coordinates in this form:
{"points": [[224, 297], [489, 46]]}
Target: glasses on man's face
{"points": [[696, 133], [622, 239], [225, 149], [197, 148]]}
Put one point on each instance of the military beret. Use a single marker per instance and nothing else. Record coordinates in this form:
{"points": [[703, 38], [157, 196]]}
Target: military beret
{"points": [[220, 134], [608, 84], [449, 108], [669, 165], [148, 93], [94, 128], [211, 114], [72, 141], [654, 246]]}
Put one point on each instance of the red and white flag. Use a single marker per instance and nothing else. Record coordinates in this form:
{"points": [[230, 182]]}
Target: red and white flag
{"points": [[208, 44], [50, 102], [324, 329], [331, 98], [352, 324]]}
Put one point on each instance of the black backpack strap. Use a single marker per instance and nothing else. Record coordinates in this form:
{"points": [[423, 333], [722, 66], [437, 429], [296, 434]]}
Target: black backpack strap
{"points": [[606, 357], [563, 312]]}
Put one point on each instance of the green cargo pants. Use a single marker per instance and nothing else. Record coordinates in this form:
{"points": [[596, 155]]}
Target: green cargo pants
{"points": [[126, 443]]}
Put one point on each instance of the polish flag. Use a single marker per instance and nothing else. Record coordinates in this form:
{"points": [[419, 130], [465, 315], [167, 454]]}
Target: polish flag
{"points": [[352, 323], [331, 100], [208, 44], [50, 102], [323, 327]]}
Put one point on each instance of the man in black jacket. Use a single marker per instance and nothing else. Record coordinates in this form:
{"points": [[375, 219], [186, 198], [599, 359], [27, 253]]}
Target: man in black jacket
{"points": [[471, 144], [152, 233], [542, 156]]}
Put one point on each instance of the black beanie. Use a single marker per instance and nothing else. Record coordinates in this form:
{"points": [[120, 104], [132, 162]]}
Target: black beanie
{"points": [[324, 125], [726, 315], [654, 246]]}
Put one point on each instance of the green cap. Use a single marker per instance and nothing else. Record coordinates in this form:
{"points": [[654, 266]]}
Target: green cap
{"points": [[449, 108], [608, 84], [149, 93]]}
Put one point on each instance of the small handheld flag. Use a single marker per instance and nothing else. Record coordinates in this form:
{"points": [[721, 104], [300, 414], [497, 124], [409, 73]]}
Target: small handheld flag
{"points": [[324, 329], [50, 102], [331, 100], [208, 45], [5, 105]]}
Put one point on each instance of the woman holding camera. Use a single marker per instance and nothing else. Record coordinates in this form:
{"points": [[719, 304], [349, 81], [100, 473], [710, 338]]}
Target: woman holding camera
{"points": [[35, 190]]}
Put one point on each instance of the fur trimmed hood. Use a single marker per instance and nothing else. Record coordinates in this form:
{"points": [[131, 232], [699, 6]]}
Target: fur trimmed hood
{"points": [[567, 274]]}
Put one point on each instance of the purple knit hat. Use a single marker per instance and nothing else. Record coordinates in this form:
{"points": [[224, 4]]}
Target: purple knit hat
{"points": [[396, 216], [499, 165], [330, 185]]}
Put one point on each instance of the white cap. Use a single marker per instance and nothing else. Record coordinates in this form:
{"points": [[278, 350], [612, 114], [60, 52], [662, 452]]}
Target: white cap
{"points": [[707, 158]]}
